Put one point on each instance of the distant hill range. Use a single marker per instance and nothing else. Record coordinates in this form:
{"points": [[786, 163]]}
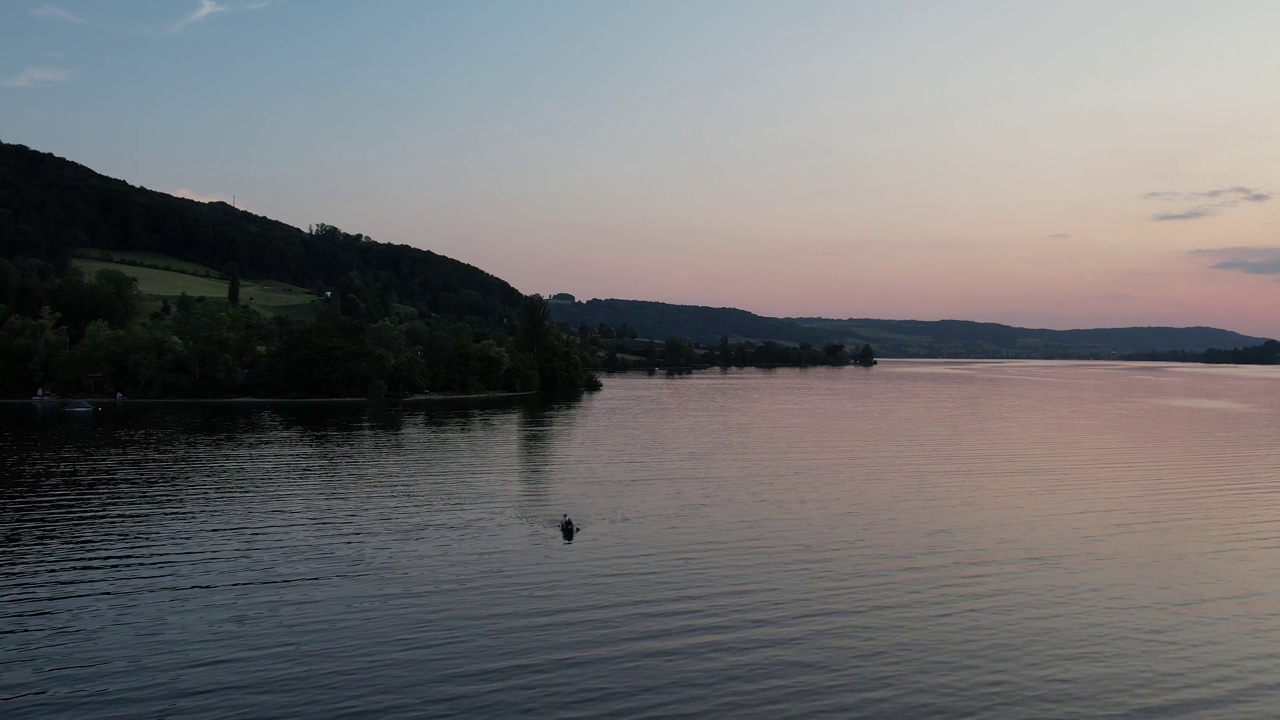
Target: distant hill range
{"points": [[891, 338]]}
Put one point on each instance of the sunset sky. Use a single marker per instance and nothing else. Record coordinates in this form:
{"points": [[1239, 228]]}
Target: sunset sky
{"points": [[1052, 164]]}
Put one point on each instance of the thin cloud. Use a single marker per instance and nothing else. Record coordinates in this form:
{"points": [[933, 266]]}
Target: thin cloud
{"points": [[1060, 236], [1252, 260], [1231, 193], [50, 12], [207, 8], [1221, 198], [37, 76], [1233, 190], [256, 6], [1195, 214]]}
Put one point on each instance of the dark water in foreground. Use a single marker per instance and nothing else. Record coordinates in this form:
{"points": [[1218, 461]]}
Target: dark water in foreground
{"points": [[990, 540]]}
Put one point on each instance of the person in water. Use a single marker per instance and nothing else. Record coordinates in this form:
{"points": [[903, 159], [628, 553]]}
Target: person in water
{"points": [[566, 525]]}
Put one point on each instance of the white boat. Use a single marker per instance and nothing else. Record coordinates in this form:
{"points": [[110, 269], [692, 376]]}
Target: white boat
{"points": [[78, 406]]}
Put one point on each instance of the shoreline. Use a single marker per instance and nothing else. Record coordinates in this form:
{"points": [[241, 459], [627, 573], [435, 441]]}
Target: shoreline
{"points": [[423, 397]]}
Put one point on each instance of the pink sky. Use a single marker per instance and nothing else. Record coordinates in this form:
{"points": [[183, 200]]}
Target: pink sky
{"points": [[1063, 164]]}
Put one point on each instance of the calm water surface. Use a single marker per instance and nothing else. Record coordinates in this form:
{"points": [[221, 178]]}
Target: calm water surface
{"points": [[921, 539]]}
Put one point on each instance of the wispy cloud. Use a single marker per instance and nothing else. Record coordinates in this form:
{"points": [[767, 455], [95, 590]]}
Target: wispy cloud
{"points": [[1220, 192], [1194, 214], [1252, 260], [257, 5], [206, 8], [50, 12], [37, 76], [1220, 198], [1234, 192], [1060, 236]]}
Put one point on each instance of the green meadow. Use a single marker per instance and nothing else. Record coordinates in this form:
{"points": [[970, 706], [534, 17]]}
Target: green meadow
{"points": [[267, 296], [148, 259]]}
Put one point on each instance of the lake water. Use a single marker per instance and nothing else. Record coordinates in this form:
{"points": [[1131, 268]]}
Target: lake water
{"points": [[918, 539]]}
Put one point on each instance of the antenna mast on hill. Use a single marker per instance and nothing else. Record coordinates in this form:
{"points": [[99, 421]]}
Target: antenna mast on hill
{"points": [[233, 201]]}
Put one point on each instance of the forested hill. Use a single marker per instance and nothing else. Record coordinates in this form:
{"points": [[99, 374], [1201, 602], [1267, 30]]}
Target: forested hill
{"points": [[699, 324], [891, 338], [964, 338], [51, 207], [107, 288]]}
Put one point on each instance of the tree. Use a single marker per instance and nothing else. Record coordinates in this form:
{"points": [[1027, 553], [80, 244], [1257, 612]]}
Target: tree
{"points": [[117, 295], [680, 353], [836, 353], [33, 352], [9, 282], [866, 357], [233, 284], [533, 325]]}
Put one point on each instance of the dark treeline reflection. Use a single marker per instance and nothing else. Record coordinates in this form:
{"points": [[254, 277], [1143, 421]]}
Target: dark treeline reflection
{"points": [[542, 421], [107, 476], [31, 436]]}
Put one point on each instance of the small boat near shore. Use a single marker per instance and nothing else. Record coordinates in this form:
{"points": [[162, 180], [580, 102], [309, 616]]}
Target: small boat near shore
{"points": [[78, 406]]}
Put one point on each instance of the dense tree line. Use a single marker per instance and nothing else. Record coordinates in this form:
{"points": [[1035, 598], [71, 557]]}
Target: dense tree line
{"points": [[1267, 353], [772, 354], [73, 335], [610, 348]]}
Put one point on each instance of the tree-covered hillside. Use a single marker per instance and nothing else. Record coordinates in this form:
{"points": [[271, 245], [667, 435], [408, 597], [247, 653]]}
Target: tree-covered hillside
{"points": [[704, 325], [890, 338], [964, 338], [381, 320], [51, 207]]}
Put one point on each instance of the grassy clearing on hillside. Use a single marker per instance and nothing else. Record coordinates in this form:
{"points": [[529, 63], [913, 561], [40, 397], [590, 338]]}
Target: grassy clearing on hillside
{"points": [[149, 259], [158, 282], [269, 293], [264, 295]]}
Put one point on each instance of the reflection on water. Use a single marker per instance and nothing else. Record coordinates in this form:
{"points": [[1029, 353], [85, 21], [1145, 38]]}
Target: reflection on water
{"points": [[1207, 403], [914, 540]]}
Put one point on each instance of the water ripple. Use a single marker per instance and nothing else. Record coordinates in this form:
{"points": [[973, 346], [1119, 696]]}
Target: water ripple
{"points": [[922, 540]]}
